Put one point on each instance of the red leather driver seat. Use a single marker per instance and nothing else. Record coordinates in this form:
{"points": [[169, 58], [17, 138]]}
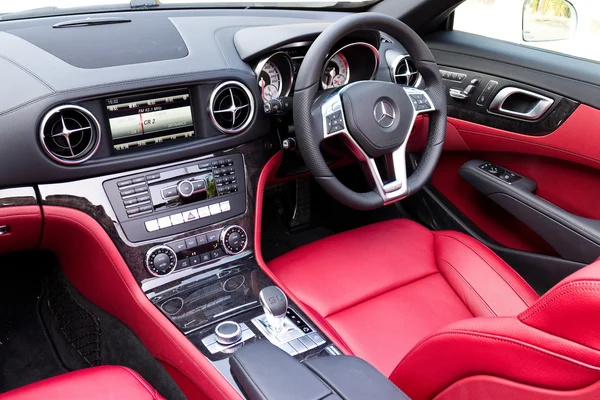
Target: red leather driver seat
{"points": [[97, 383], [444, 317]]}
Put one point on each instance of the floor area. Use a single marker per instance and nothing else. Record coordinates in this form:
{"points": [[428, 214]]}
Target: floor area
{"points": [[47, 328]]}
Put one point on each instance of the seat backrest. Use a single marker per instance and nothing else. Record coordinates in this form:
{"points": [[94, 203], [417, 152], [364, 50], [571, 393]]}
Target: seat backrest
{"points": [[554, 345], [571, 309]]}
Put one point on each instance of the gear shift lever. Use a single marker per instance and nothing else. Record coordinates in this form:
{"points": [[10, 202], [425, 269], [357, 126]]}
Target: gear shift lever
{"points": [[274, 303]]}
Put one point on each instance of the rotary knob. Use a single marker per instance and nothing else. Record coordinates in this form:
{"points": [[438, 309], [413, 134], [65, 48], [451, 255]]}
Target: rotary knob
{"points": [[234, 239], [228, 332], [185, 188], [161, 260]]}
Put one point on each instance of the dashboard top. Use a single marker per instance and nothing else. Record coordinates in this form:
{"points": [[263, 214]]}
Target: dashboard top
{"points": [[44, 68]]}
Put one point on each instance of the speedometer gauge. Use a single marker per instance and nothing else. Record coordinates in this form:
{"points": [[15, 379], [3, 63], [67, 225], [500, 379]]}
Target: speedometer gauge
{"points": [[274, 76], [336, 72], [269, 81]]}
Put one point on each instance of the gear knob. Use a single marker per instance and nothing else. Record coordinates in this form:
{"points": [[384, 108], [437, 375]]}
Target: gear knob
{"points": [[274, 303]]}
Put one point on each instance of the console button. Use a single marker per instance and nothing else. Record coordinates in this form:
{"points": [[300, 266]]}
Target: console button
{"points": [[190, 215], [204, 165], [205, 257], [212, 237], [152, 225], [127, 192], [130, 202], [152, 177], [190, 243], [194, 260], [183, 263], [133, 211], [146, 208], [288, 349], [178, 246], [201, 240], [307, 342], [164, 222], [298, 346], [225, 206], [315, 337], [142, 199], [214, 209], [124, 183], [141, 189], [216, 254], [199, 185], [169, 192], [204, 212], [176, 219], [138, 180]]}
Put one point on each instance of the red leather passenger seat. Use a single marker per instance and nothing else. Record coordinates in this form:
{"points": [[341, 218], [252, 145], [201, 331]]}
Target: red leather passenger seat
{"points": [[439, 310], [98, 383]]}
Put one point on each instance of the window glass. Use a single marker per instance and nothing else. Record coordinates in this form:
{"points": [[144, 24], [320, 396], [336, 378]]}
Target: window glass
{"points": [[570, 27]]}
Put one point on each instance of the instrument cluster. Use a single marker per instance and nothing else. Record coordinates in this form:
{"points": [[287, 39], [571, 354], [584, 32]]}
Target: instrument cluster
{"points": [[348, 63]]}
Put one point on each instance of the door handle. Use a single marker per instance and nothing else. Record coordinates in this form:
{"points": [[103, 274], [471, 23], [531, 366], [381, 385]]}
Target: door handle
{"points": [[520, 103]]}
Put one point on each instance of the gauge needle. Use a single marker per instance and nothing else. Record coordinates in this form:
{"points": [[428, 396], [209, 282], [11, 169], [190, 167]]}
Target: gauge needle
{"points": [[262, 87], [332, 75]]}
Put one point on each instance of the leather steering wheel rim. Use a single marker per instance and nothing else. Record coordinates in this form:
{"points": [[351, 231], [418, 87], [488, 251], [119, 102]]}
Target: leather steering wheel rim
{"points": [[307, 115]]}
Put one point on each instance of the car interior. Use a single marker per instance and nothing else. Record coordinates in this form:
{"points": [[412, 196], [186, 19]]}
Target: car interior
{"points": [[298, 200]]}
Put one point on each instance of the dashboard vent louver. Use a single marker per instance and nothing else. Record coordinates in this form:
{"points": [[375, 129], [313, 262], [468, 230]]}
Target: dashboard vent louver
{"points": [[231, 107], [404, 71], [70, 134]]}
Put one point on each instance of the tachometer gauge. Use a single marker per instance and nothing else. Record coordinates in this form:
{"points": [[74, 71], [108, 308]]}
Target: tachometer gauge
{"points": [[274, 76], [269, 81], [336, 72]]}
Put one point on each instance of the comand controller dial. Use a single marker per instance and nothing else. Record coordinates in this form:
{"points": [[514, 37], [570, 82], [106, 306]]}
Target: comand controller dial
{"points": [[161, 260], [234, 239]]}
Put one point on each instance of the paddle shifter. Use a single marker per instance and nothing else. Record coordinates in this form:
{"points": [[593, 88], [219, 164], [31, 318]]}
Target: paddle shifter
{"points": [[274, 303]]}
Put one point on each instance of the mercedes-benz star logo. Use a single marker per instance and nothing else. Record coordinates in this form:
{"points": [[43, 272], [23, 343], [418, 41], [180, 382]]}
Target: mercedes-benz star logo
{"points": [[384, 114]]}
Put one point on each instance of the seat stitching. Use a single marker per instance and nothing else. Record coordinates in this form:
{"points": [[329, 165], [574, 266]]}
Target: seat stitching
{"points": [[139, 304], [505, 340], [469, 286], [381, 294], [490, 265], [143, 382], [565, 290]]}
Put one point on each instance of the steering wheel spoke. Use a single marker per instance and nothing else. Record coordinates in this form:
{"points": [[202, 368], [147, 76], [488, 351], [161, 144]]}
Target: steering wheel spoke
{"points": [[393, 188]]}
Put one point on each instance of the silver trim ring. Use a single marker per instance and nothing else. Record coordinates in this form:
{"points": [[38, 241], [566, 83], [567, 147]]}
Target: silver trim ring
{"points": [[231, 338], [251, 105], [262, 63], [86, 114], [395, 64], [364, 44], [224, 233], [152, 250]]}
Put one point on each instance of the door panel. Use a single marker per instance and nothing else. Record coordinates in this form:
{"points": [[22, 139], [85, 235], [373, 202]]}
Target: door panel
{"points": [[560, 151]]}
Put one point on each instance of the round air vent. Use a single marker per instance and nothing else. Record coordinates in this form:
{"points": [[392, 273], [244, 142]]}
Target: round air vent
{"points": [[70, 134], [231, 107], [404, 72]]}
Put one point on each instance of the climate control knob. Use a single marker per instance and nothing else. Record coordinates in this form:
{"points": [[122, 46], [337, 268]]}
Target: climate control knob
{"points": [[234, 239], [161, 260]]}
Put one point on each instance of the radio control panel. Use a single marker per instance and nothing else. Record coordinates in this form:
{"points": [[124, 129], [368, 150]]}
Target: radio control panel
{"points": [[173, 200]]}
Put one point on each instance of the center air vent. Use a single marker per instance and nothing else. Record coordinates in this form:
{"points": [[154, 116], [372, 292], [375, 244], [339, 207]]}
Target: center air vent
{"points": [[404, 72], [231, 107], [70, 134]]}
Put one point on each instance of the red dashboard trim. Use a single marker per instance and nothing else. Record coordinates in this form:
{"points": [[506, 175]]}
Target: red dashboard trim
{"points": [[25, 223], [95, 267]]}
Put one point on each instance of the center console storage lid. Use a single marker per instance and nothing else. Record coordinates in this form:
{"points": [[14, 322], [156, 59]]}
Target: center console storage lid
{"points": [[266, 372]]}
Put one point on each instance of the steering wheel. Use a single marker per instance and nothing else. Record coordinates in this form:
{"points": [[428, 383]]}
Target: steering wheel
{"points": [[374, 118]]}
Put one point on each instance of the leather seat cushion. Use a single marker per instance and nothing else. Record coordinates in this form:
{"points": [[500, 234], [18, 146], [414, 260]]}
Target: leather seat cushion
{"points": [[97, 383], [386, 286]]}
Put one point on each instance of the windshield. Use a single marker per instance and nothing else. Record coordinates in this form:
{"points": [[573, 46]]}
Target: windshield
{"points": [[56, 7]]}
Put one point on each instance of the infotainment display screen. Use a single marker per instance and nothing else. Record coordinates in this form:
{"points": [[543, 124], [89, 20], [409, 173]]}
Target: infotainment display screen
{"points": [[140, 120]]}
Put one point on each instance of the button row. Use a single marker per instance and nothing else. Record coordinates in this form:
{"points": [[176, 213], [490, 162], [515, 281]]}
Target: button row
{"points": [[335, 122], [136, 200], [453, 76], [187, 216], [200, 258], [195, 241], [420, 102], [134, 190], [302, 344]]}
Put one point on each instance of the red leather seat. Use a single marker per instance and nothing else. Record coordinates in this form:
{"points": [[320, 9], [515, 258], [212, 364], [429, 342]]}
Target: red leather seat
{"points": [[98, 383], [433, 310]]}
